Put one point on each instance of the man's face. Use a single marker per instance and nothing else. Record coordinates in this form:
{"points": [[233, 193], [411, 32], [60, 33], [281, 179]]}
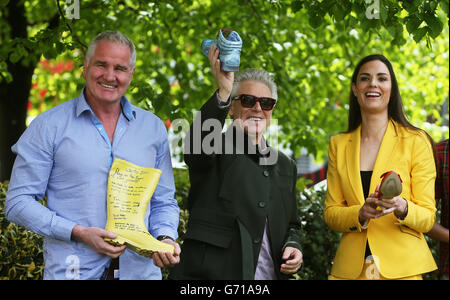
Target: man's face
{"points": [[254, 120], [108, 72]]}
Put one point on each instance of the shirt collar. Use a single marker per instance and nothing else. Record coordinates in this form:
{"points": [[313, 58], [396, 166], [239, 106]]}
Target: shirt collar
{"points": [[244, 146], [127, 108]]}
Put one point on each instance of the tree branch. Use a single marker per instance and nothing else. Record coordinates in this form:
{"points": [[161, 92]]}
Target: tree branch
{"points": [[68, 26]]}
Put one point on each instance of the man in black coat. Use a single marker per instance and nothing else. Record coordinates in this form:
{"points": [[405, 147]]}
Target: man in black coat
{"points": [[242, 203]]}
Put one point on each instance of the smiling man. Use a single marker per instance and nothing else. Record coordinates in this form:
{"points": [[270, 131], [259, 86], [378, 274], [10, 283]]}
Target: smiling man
{"points": [[66, 154], [242, 205]]}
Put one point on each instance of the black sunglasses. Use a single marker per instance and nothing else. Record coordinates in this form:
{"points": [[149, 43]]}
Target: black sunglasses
{"points": [[249, 101]]}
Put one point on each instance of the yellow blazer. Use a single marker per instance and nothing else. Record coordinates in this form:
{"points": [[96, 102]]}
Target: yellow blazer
{"points": [[398, 246]]}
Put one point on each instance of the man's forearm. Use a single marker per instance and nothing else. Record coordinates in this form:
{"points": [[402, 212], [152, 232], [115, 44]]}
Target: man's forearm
{"points": [[439, 233], [27, 212]]}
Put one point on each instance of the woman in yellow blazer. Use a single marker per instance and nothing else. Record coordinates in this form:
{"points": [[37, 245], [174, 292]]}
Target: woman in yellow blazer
{"points": [[382, 238]]}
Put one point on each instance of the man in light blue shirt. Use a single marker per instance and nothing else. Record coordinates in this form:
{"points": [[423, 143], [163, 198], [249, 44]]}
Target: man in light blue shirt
{"points": [[66, 154]]}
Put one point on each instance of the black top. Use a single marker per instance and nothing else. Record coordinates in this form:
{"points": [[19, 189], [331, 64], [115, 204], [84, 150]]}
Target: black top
{"points": [[365, 180]]}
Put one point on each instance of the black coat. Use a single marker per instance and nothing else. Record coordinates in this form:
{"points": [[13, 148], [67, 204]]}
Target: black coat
{"points": [[231, 197]]}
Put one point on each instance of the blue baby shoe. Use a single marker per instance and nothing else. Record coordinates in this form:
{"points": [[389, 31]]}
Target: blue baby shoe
{"points": [[229, 50]]}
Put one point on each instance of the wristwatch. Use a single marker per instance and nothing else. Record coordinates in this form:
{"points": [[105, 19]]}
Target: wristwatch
{"points": [[163, 237]]}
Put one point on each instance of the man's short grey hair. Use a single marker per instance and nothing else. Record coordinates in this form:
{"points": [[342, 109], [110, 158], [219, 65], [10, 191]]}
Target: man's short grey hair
{"points": [[116, 37], [256, 75]]}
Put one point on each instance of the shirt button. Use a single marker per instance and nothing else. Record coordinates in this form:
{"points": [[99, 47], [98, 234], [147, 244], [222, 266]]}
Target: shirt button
{"points": [[256, 240], [262, 204], [266, 173]]}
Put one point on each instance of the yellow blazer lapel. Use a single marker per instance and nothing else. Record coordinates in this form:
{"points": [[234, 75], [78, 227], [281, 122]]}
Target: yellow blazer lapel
{"points": [[383, 162], [352, 153]]}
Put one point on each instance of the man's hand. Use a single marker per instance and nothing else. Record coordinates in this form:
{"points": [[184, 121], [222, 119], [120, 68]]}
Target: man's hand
{"points": [[167, 259], [224, 80], [293, 259], [94, 237]]}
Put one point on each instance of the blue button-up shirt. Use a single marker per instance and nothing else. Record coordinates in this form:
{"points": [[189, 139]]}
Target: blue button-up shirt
{"points": [[66, 155]]}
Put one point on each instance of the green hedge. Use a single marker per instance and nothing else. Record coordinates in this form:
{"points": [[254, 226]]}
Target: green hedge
{"points": [[319, 242], [21, 250]]}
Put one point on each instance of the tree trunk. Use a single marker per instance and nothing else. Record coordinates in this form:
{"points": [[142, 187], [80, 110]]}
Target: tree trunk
{"points": [[14, 95]]}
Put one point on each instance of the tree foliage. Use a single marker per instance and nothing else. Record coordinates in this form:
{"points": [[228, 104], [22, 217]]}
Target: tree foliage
{"points": [[310, 47]]}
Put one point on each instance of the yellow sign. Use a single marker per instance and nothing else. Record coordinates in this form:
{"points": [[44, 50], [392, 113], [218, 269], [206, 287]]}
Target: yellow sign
{"points": [[130, 188]]}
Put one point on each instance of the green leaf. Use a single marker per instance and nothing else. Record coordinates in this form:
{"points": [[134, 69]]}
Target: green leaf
{"points": [[315, 21], [21, 50], [383, 12], [15, 56], [315, 15], [395, 29], [339, 12], [296, 5], [326, 5], [433, 6], [4, 3], [444, 6], [412, 23], [410, 6], [434, 24], [419, 34], [366, 24], [50, 53]]}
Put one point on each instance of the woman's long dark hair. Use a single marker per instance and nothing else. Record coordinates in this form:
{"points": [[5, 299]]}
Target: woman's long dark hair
{"points": [[395, 106]]}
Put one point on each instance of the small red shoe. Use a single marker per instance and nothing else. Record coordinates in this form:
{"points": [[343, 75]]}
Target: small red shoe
{"points": [[391, 185]]}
